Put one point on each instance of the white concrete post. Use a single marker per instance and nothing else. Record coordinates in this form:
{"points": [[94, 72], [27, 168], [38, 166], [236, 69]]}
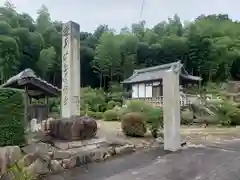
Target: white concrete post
{"points": [[70, 100], [171, 110]]}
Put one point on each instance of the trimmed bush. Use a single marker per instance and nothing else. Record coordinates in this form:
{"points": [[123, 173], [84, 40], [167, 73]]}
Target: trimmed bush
{"points": [[122, 112], [110, 115], [155, 120], [135, 106], [133, 124], [138, 106], [153, 116], [111, 104], [11, 118], [96, 115]]}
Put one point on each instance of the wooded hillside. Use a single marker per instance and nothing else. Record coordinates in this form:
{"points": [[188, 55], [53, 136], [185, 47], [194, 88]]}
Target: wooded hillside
{"points": [[208, 46]]}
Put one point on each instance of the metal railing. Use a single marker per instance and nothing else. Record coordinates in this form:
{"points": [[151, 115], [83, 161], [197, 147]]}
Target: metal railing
{"points": [[185, 100]]}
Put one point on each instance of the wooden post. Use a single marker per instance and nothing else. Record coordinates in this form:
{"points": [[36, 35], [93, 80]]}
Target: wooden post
{"points": [[26, 103], [46, 102]]}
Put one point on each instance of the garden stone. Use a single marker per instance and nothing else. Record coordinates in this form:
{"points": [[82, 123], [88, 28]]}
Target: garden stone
{"points": [[69, 163], [4, 158], [59, 154], [37, 147], [14, 154], [99, 154], [63, 145], [38, 167], [111, 151], [8, 156], [55, 166], [8, 176], [124, 149], [73, 128], [28, 159]]}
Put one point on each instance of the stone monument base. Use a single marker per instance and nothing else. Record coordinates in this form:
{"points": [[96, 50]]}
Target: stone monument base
{"points": [[74, 128]]}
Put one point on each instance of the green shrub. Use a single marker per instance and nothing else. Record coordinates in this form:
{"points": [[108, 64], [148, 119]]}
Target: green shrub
{"points": [[11, 117], [110, 115], [19, 172], [95, 115], [133, 124], [238, 106], [111, 104], [138, 106], [228, 113], [82, 113], [153, 116], [115, 92], [94, 99], [54, 105], [122, 112], [186, 117], [155, 120], [234, 117]]}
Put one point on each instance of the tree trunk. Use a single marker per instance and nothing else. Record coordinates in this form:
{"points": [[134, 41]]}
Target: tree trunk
{"points": [[104, 82], [100, 80]]}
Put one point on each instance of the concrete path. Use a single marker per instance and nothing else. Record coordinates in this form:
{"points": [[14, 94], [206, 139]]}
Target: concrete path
{"points": [[216, 162]]}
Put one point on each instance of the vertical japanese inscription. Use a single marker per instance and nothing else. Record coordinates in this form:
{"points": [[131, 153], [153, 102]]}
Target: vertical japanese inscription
{"points": [[65, 70]]}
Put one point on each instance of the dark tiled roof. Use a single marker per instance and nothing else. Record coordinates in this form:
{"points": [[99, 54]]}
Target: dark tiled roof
{"points": [[29, 74], [156, 73]]}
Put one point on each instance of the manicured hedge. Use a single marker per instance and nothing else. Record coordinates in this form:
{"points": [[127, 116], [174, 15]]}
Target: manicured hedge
{"points": [[11, 117]]}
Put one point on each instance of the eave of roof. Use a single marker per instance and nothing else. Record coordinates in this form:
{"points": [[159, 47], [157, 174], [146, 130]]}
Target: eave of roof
{"points": [[174, 66], [28, 74]]}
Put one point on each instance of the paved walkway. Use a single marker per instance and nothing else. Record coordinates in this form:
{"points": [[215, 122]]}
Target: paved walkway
{"points": [[215, 162]]}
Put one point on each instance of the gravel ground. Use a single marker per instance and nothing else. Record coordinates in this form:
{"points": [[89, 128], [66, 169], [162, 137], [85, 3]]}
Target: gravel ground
{"points": [[217, 159]]}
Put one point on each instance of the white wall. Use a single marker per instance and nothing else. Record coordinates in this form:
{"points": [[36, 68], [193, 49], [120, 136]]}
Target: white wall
{"points": [[141, 89], [135, 91], [148, 90]]}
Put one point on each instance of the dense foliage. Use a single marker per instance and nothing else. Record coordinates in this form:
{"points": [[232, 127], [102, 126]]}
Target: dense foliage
{"points": [[209, 46], [11, 118]]}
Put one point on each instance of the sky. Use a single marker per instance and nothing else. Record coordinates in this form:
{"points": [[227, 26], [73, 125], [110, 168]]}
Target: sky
{"points": [[120, 13]]}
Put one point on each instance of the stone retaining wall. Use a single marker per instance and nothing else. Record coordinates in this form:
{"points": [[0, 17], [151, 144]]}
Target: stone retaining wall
{"points": [[41, 158]]}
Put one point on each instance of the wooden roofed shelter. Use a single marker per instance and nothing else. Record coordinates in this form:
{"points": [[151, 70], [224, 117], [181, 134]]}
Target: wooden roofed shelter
{"points": [[34, 88], [147, 83]]}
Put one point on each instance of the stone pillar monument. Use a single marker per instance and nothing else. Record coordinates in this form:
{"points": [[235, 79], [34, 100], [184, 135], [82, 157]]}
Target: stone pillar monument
{"points": [[71, 126], [70, 100], [171, 109]]}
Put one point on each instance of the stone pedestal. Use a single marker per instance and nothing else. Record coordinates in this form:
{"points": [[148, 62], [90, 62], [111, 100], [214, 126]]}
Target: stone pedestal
{"points": [[171, 110], [70, 102]]}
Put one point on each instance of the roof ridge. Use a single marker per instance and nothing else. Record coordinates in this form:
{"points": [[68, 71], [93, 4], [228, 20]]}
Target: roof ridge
{"points": [[153, 68]]}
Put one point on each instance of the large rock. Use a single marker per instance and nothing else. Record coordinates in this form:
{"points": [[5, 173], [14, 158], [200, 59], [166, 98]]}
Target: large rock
{"points": [[41, 150], [8, 156], [124, 149], [56, 166], [74, 128], [37, 148], [28, 159], [59, 154], [38, 167], [69, 163], [14, 153]]}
